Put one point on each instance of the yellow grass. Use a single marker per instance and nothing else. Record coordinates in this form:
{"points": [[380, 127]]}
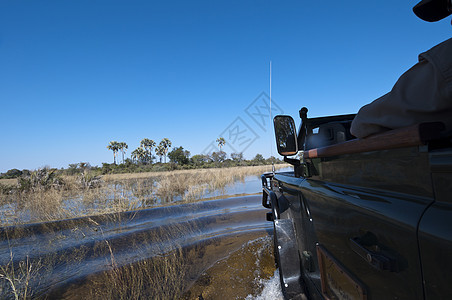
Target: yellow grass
{"points": [[192, 184], [8, 182], [238, 171], [15, 278], [119, 193]]}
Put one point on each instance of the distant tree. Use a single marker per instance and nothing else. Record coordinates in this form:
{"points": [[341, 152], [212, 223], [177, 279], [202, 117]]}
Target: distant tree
{"points": [[139, 154], [237, 157], [142, 155], [221, 142], [228, 163], [106, 168], [160, 151], [165, 144], [128, 162], [179, 156], [113, 146], [13, 173], [219, 156], [200, 159], [134, 155], [259, 159], [72, 169], [73, 166], [84, 165], [147, 144], [272, 160], [123, 147]]}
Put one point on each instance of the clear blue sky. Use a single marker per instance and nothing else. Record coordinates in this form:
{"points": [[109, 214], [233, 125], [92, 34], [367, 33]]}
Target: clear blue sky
{"points": [[75, 75]]}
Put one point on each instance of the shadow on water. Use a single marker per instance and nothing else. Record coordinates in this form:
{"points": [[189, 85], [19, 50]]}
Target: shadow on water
{"points": [[214, 249]]}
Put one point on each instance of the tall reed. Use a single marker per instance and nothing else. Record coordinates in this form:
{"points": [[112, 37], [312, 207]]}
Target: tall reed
{"points": [[84, 195]]}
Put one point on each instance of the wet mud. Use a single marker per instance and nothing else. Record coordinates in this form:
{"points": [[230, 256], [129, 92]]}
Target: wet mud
{"points": [[218, 249], [241, 274]]}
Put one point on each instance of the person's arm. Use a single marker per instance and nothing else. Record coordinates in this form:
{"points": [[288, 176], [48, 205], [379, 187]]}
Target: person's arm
{"points": [[422, 94]]}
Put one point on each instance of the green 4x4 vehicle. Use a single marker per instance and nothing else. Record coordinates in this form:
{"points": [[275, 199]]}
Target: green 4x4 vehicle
{"points": [[362, 218]]}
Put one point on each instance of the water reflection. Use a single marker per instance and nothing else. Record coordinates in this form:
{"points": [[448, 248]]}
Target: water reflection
{"points": [[169, 247], [73, 251], [142, 194]]}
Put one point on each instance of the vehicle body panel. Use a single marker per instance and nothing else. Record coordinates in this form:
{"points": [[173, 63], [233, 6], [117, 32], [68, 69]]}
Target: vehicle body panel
{"points": [[435, 230], [383, 195], [372, 218]]}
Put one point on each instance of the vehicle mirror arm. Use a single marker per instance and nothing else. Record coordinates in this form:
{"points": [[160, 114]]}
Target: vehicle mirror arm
{"points": [[297, 166], [292, 161], [303, 128]]}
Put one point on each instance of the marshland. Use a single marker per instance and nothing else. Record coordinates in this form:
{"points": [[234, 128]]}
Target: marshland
{"points": [[181, 234], [45, 195]]}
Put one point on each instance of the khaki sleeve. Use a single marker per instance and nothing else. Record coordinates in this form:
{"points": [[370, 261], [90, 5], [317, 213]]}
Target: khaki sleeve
{"points": [[420, 95]]}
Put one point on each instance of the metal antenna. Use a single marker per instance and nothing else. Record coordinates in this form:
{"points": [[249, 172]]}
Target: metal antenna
{"points": [[271, 119]]}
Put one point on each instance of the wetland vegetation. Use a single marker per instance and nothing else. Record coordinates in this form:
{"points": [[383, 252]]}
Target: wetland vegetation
{"points": [[47, 195], [93, 223], [166, 252]]}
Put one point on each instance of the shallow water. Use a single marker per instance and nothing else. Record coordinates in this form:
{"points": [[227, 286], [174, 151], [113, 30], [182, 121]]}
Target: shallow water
{"points": [[249, 185], [271, 290], [120, 195], [68, 255], [214, 249]]}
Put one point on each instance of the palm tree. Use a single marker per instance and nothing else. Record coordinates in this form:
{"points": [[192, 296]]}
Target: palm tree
{"points": [[139, 154], [160, 151], [123, 147], [148, 144], [165, 144], [113, 146], [134, 155], [221, 142]]}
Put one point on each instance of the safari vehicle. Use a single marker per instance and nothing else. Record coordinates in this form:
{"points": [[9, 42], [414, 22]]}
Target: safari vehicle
{"points": [[362, 218]]}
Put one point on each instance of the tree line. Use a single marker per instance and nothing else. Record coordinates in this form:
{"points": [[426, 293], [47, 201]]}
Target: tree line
{"points": [[142, 159], [143, 154]]}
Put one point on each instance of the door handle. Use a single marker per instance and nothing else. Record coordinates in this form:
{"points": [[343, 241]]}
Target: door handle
{"points": [[374, 257]]}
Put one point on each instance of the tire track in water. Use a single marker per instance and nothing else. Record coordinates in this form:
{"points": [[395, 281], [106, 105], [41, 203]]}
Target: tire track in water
{"points": [[70, 251]]}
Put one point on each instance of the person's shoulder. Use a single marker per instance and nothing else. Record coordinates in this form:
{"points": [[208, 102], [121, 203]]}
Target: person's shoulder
{"points": [[444, 46], [441, 57]]}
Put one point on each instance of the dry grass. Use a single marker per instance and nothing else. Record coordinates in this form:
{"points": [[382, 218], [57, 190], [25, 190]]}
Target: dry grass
{"points": [[15, 279], [160, 277], [192, 184], [118, 193], [233, 171], [8, 182], [170, 274]]}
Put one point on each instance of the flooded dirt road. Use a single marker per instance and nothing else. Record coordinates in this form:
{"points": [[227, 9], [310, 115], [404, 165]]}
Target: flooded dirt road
{"points": [[217, 249]]}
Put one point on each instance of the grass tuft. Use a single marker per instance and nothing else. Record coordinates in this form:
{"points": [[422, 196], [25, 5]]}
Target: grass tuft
{"points": [[42, 196]]}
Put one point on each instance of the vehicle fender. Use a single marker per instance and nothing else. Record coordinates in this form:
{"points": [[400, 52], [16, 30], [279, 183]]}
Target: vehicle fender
{"points": [[287, 250]]}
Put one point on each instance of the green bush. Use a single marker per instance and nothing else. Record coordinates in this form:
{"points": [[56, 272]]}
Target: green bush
{"points": [[13, 173]]}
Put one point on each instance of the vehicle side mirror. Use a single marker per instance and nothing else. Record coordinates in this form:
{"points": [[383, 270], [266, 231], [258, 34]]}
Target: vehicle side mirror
{"points": [[286, 135]]}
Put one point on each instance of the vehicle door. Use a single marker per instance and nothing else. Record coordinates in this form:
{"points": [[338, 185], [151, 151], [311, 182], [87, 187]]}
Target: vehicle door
{"points": [[365, 225], [435, 234]]}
